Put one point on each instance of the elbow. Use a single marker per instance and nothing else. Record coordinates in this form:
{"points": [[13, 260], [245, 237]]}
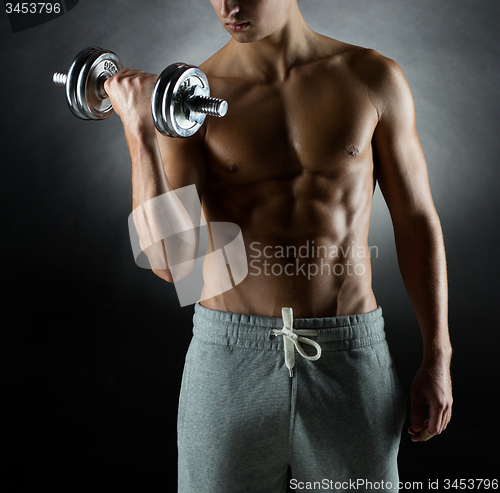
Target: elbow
{"points": [[164, 274], [417, 224], [421, 233]]}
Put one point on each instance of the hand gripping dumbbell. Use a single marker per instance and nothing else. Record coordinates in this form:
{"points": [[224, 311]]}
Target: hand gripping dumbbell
{"points": [[180, 102]]}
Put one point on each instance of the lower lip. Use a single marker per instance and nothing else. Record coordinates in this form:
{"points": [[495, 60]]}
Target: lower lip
{"points": [[238, 27]]}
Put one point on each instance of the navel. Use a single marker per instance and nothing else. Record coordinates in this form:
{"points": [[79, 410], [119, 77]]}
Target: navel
{"points": [[231, 168], [351, 151]]}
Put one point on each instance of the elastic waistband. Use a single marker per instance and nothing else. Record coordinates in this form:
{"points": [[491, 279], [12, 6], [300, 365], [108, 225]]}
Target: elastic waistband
{"points": [[255, 332]]}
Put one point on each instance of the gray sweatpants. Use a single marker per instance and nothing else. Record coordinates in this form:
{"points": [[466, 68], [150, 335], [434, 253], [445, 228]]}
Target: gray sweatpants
{"points": [[243, 420]]}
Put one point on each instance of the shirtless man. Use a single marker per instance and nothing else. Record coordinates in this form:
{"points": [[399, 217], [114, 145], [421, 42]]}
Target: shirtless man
{"points": [[313, 124]]}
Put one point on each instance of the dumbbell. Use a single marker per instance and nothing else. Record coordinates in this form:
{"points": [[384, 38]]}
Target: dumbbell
{"points": [[179, 104]]}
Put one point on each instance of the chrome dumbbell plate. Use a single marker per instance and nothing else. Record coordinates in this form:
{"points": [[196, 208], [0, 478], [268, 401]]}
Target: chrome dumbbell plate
{"points": [[84, 93], [92, 98], [176, 86]]}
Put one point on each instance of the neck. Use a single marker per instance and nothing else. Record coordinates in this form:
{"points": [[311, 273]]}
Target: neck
{"points": [[272, 57]]}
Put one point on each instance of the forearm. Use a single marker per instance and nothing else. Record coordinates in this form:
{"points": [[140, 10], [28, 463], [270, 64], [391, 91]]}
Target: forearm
{"points": [[148, 181], [422, 263], [167, 233], [148, 176], [159, 215]]}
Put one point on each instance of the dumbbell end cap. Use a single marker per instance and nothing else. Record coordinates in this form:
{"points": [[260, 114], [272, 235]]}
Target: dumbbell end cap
{"points": [[223, 107], [60, 77]]}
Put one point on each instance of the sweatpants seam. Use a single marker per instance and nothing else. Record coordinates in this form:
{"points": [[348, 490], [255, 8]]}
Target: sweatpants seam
{"points": [[293, 408]]}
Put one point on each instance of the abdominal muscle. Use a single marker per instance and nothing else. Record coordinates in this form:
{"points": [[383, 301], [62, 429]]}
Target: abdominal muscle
{"points": [[306, 241]]}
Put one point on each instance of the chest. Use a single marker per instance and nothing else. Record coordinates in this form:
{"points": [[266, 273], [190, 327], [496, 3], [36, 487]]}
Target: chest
{"points": [[319, 124]]}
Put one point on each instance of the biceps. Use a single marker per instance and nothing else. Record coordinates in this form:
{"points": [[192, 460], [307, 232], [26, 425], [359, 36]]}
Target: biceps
{"points": [[401, 171], [183, 161]]}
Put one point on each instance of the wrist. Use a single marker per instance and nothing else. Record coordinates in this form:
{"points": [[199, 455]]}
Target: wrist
{"points": [[139, 129], [438, 354]]}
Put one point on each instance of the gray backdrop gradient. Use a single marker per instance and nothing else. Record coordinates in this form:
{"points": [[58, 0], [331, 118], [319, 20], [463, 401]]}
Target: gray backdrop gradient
{"points": [[93, 346]]}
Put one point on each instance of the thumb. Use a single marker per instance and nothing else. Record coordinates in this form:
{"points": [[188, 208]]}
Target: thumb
{"points": [[417, 413]]}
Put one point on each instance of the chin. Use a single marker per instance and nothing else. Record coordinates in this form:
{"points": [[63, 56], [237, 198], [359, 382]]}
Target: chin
{"points": [[243, 41], [245, 37]]}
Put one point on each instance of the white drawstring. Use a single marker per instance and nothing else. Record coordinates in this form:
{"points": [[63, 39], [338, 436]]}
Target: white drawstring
{"points": [[292, 337]]}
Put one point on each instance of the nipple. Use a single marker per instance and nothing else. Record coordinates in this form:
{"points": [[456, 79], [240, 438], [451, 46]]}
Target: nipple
{"points": [[352, 151], [231, 168]]}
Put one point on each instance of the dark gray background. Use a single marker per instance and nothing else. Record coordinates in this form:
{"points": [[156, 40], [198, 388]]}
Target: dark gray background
{"points": [[93, 346]]}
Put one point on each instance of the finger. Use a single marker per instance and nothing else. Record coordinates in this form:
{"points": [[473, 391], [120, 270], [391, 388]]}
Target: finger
{"points": [[135, 73], [124, 74], [117, 75], [436, 412], [447, 418], [411, 431], [123, 71], [417, 413], [130, 74]]}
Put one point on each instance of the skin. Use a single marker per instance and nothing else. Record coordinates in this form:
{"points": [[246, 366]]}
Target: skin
{"points": [[313, 125]]}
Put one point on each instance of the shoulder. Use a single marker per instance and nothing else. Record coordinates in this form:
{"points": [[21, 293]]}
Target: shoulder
{"points": [[371, 65], [373, 69], [379, 77], [382, 77]]}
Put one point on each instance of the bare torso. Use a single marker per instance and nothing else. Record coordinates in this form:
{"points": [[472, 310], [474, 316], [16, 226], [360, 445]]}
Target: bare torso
{"points": [[292, 165], [312, 125]]}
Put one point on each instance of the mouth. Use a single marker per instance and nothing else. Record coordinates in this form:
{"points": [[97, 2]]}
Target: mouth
{"points": [[238, 26]]}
